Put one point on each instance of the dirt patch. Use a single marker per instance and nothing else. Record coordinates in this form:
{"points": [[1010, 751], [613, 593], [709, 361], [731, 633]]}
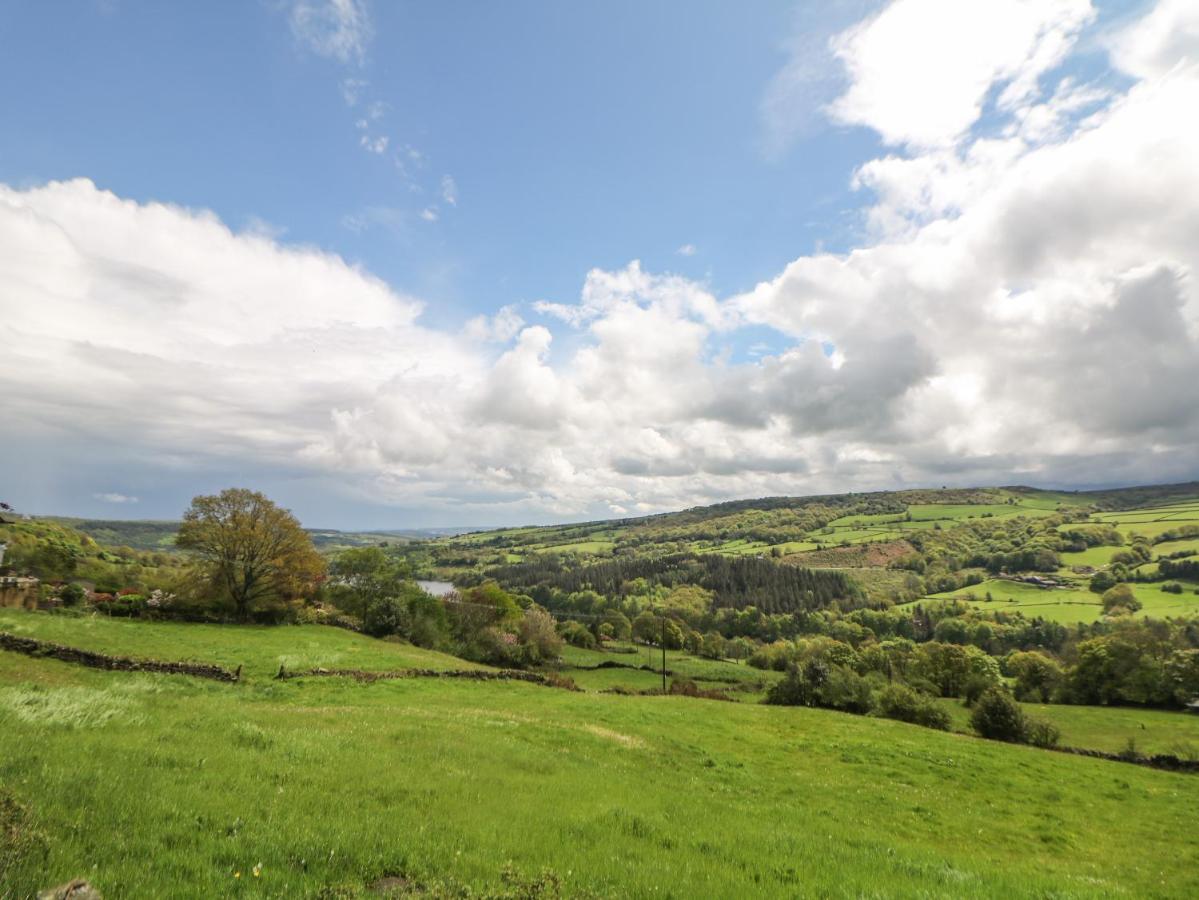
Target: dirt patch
{"points": [[859, 556], [625, 740]]}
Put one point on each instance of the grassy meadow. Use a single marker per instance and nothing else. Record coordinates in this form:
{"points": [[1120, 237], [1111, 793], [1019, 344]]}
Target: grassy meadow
{"points": [[1070, 605], [145, 784], [260, 649], [739, 681], [1107, 728]]}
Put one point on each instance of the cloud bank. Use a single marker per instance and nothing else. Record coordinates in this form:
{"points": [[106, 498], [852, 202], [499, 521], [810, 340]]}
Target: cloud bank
{"points": [[1024, 309]]}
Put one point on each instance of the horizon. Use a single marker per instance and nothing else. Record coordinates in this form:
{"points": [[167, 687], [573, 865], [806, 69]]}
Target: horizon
{"points": [[474, 527], [401, 264]]}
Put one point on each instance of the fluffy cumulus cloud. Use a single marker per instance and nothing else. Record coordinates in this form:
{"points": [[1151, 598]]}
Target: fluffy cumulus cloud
{"points": [[920, 70], [1024, 308]]}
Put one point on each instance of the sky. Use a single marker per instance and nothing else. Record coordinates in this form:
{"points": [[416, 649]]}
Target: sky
{"points": [[408, 265]]}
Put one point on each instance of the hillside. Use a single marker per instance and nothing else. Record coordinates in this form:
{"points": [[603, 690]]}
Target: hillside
{"points": [[150, 535], [468, 789], [886, 547]]}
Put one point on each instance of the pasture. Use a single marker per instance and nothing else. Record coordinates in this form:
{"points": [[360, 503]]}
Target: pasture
{"points": [[143, 783], [1070, 605], [1107, 728], [260, 649]]}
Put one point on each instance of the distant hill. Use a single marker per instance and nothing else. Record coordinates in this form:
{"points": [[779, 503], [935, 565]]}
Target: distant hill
{"points": [[159, 535], [763, 521]]}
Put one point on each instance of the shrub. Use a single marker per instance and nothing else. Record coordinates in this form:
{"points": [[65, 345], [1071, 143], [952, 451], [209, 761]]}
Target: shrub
{"points": [[817, 684], [898, 701], [1040, 733], [539, 638], [72, 595], [975, 687], [846, 690], [1120, 600], [794, 690], [577, 635], [999, 717], [385, 615]]}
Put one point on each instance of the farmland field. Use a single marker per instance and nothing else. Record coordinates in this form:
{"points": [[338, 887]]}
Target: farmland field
{"points": [[261, 649], [474, 785], [1070, 605], [1108, 728]]}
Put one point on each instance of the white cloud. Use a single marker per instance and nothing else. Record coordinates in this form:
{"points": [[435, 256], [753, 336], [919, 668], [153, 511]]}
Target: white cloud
{"points": [[351, 90], [811, 77], [449, 190], [389, 217], [686, 250], [374, 145], [1162, 39], [920, 70], [337, 29], [501, 327], [1026, 309], [429, 214], [114, 497]]}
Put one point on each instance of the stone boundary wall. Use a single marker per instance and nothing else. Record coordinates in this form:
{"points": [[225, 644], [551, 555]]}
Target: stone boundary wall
{"points": [[33, 647], [1154, 761], [468, 674]]}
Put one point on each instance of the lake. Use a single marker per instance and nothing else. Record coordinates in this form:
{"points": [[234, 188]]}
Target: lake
{"points": [[436, 588]]}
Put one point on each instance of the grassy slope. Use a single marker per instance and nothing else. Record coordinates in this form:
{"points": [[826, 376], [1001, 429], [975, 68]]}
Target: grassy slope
{"points": [[158, 786], [708, 674], [1068, 606], [260, 649], [1107, 728]]}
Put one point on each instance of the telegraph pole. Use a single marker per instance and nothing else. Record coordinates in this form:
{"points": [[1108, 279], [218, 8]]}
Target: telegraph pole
{"points": [[662, 641]]}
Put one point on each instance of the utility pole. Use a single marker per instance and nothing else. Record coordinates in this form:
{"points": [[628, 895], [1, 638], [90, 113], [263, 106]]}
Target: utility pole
{"points": [[662, 641]]}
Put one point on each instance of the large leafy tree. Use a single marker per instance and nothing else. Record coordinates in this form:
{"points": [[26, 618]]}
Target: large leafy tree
{"points": [[252, 550]]}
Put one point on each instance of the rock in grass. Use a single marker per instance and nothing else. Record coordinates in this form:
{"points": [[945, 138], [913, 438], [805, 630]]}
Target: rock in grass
{"points": [[78, 889]]}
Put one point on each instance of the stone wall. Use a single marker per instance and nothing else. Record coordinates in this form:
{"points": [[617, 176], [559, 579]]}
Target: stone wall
{"points": [[33, 647]]}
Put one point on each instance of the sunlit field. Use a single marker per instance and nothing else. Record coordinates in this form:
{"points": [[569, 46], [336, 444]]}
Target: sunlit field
{"points": [[265, 788]]}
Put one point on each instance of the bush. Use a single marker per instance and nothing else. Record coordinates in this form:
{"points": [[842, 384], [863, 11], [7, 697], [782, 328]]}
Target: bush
{"points": [[1042, 734], [1120, 600], [72, 595], [846, 690], [577, 635], [830, 687], [794, 690], [539, 639], [898, 701], [385, 615], [999, 717], [975, 687]]}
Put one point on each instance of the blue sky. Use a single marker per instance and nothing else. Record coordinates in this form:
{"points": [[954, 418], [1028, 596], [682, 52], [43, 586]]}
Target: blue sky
{"points": [[408, 264], [578, 136]]}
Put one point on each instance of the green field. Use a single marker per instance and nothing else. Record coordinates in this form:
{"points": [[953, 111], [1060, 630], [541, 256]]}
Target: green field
{"points": [[708, 674], [166, 786], [1108, 728], [1095, 557], [1068, 606], [1168, 547], [260, 649]]}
